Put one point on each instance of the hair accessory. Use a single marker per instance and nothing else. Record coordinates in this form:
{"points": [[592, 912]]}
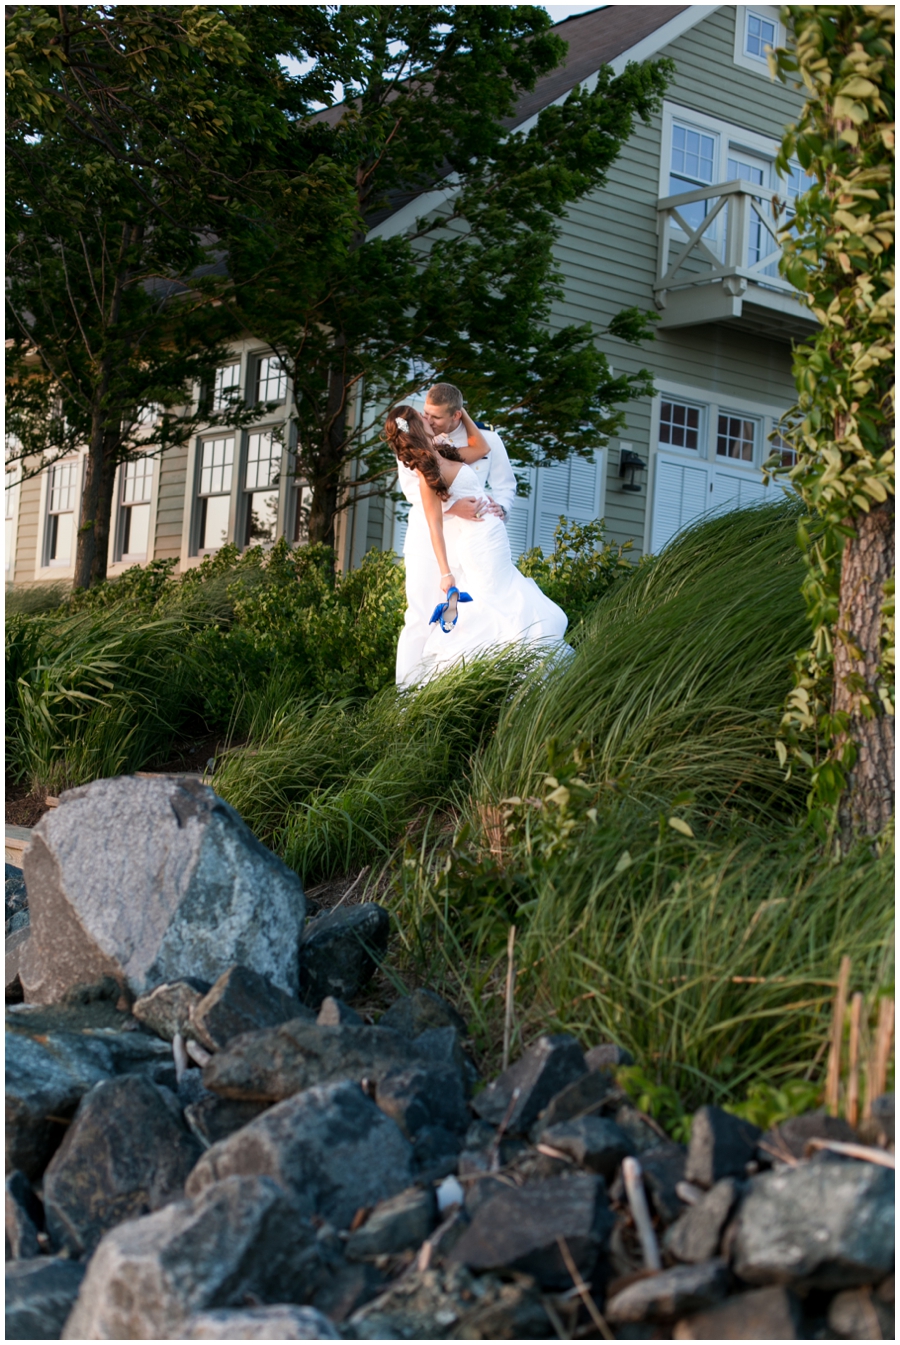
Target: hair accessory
{"points": [[402, 424]]}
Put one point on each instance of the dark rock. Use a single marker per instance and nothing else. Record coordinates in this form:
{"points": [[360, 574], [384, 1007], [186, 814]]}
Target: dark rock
{"points": [[594, 1142], [331, 1146], [663, 1169], [879, 1128], [671, 1293], [45, 1081], [24, 1217], [443, 1046], [641, 1134], [607, 1056], [452, 1304], [195, 891], [435, 1152], [277, 1062], [395, 1225], [16, 944], [346, 1287], [213, 1118], [39, 1297], [858, 1314], [828, 1223], [127, 1152], [16, 899], [584, 1096], [480, 1134], [242, 1001], [721, 1146], [786, 1143], [517, 1229], [423, 1096], [243, 1237], [340, 951], [167, 1009], [761, 1314], [335, 1013], [696, 1235], [545, 1069], [423, 1010], [283, 1321]]}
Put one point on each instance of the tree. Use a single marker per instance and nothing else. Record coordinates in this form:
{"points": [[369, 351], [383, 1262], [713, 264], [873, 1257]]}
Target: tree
{"points": [[464, 291], [839, 251], [138, 137]]}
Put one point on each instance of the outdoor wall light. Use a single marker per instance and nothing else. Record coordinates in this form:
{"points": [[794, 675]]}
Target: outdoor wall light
{"points": [[629, 465]]}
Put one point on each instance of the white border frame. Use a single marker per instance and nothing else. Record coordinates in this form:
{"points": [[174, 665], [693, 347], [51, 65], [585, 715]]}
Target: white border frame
{"points": [[756, 64], [116, 567]]}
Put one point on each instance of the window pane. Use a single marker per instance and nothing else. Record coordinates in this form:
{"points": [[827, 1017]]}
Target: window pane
{"points": [[62, 487], [263, 461], [137, 481], [787, 454], [214, 521], [302, 505], [679, 425], [735, 438], [135, 530], [693, 155], [262, 517], [216, 462], [271, 380], [760, 34], [227, 386], [62, 531]]}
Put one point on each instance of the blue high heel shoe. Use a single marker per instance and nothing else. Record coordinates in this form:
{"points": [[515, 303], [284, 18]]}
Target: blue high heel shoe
{"points": [[446, 612]]}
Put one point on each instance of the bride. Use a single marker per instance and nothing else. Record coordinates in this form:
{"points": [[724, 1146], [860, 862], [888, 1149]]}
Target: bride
{"points": [[505, 608]]}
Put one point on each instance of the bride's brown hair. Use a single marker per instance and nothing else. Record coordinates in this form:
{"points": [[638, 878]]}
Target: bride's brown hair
{"points": [[415, 446]]}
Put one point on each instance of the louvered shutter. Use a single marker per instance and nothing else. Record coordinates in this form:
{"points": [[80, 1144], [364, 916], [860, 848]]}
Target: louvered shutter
{"points": [[681, 494], [736, 489], [568, 489]]}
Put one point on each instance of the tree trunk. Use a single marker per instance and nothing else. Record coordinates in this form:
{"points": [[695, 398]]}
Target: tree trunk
{"points": [[92, 551], [325, 480], [867, 804]]}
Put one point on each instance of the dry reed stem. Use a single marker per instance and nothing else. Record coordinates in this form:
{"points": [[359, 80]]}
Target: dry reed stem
{"points": [[856, 1005], [833, 1084], [510, 994], [584, 1292], [876, 1074], [865, 1152], [637, 1199]]}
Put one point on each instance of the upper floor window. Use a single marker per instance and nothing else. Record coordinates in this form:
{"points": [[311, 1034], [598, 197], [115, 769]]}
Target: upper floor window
{"points": [[679, 425], [693, 164], [216, 467], [785, 452], [261, 487], [134, 508], [227, 387], [757, 31], [61, 513], [759, 34], [736, 437], [271, 379]]}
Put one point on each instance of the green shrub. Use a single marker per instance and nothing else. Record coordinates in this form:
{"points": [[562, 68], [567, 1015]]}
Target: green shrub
{"points": [[580, 569]]}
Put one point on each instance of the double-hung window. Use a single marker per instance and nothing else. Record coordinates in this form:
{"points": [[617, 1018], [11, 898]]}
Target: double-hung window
{"points": [[692, 165], [760, 33], [216, 466], [735, 437], [261, 488], [61, 513], [271, 379], [134, 507], [679, 425], [227, 387]]}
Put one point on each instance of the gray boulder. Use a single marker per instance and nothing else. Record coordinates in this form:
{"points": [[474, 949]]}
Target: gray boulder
{"points": [[519, 1227], [276, 1063], [16, 899], [640, 1133], [761, 1314], [242, 1001], [443, 1045], [23, 1218], [696, 1235], [39, 1297], [594, 1142], [212, 1118], [670, 1294], [586, 1095], [167, 1009], [827, 1223], [421, 1011], [283, 1321], [607, 1056], [721, 1146], [860, 1314], [453, 1304], [394, 1225], [436, 1152], [544, 1070], [335, 1013], [340, 951], [244, 1237], [151, 880], [45, 1080], [423, 1096], [126, 1153], [330, 1146], [786, 1143]]}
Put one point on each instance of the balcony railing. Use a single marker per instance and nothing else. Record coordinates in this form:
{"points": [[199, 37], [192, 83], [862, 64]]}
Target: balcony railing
{"points": [[718, 262]]}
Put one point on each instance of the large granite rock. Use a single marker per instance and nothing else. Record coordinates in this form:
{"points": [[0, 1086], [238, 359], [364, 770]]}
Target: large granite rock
{"points": [[330, 1146], [45, 1081], [244, 1238], [761, 1314], [24, 1217], [16, 899], [39, 1297], [150, 880], [242, 1001], [825, 1224], [671, 1293], [544, 1070], [426, 1095], [519, 1227], [275, 1063], [126, 1153], [340, 951]]}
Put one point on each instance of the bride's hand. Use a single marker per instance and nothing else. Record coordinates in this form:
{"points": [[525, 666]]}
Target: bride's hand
{"points": [[447, 582]]}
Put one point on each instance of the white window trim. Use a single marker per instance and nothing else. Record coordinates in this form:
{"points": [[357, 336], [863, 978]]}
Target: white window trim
{"points": [[285, 482], [42, 571], [116, 566], [256, 359], [741, 57], [729, 137]]}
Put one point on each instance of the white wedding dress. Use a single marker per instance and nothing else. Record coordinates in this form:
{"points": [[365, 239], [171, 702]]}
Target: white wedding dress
{"points": [[506, 608]]}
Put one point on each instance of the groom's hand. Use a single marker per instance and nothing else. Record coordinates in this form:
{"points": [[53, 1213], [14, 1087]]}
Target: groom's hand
{"points": [[474, 510]]}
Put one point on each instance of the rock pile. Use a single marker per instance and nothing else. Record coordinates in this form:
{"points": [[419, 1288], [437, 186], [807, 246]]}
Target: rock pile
{"points": [[205, 1142]]}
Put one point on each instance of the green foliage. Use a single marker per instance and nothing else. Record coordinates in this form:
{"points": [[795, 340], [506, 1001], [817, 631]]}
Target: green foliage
{"points": [[839, 252], [767, 1106], [657, 1100], [579, 570]]}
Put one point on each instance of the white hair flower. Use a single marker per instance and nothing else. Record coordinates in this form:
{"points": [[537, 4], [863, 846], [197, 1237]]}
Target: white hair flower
{"points": [[402, 424]]}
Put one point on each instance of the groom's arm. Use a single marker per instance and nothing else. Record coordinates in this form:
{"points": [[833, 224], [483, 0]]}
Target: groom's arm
{"points": [[501, 477]]}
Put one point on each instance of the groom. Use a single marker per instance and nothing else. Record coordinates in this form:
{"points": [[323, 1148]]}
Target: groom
{"points": [[443, 412]]}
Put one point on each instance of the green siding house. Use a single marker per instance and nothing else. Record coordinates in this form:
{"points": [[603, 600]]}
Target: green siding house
{"points": [[684, 227]]}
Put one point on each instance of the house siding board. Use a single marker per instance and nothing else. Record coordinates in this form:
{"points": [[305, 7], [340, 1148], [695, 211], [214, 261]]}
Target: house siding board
{"points": [[170, 520], [28, 531]]}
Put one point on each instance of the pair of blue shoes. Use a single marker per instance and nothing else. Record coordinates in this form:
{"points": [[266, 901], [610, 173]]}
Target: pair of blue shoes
{"points": [[445, 613]]}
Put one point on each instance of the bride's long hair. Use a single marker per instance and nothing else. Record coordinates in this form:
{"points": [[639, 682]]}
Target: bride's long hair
{"points": [[416, 448]]}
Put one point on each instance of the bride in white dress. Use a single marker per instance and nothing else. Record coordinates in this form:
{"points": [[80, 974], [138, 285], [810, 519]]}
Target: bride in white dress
{"points": [[506, 608]]}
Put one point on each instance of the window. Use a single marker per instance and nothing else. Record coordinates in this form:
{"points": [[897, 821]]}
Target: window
{"points": [[786, 453], [271, 379], [261, 486], [149, 414], [754, 171], [134, 507], [797, 183], [216, 463], [679, 425], [61, 513], [692, 165], [227, 387], [301, 505], [12, 492], [736, 437], [759, 35]]}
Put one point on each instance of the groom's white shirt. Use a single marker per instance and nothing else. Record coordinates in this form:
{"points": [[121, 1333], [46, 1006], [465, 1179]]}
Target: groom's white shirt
{"points": [[495, 471]]}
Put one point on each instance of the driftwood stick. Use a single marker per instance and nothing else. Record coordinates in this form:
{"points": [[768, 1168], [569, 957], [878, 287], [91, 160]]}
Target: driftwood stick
{"points": [[637, 1199], [833, 1083], [881, 1157], [584, 1292], [510, 994], [180, 1056], [856, 1005]]}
